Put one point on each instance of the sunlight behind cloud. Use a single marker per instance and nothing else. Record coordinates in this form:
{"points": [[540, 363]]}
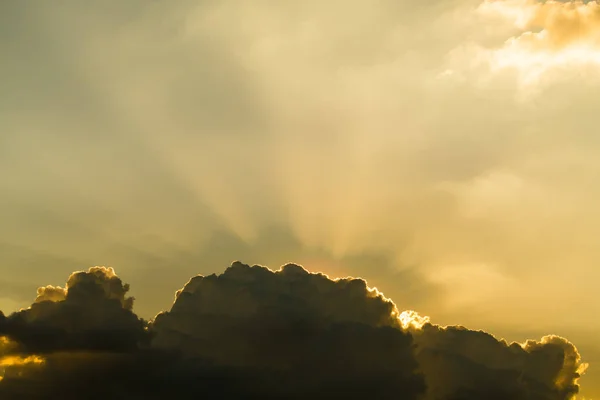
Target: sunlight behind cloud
{"points": [[412, 319], [552, 35], [13, 363], [175, 136]]}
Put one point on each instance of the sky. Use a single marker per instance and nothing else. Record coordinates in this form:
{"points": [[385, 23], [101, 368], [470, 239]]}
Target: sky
{"points": [[445, 151]]}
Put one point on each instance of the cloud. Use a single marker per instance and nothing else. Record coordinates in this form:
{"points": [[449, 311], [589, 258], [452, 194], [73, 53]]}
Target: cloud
{"points": [[275, 246], [542, 41], [91, 312], [50, 293], [316, 332], [354, 136], [135, 127], [552, 24], [251, 331], [462, 363], [246, 327]]}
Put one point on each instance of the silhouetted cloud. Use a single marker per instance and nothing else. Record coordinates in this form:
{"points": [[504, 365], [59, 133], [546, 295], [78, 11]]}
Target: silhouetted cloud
{"points": [[274, 246], [464, 364], [91, 312], [317, 334], [252, 332]]}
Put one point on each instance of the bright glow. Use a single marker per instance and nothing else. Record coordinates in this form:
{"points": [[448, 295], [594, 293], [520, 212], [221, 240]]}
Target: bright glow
{"points": [[16, 361], [533, 64], [13, 360], [552, 35], [411, 319]]}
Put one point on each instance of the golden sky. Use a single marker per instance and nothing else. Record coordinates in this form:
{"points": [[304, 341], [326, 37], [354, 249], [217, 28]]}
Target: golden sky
{"points": [[446, 151]]}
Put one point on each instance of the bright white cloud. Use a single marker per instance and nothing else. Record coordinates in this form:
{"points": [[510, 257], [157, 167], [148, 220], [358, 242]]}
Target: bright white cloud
{"points": [[544, 41]]}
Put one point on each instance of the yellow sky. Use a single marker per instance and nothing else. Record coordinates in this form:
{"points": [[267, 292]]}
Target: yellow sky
{"points": [[446, 150]]}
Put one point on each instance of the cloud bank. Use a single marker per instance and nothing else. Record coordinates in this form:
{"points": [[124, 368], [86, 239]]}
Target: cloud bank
{"points": [[251, 331]]}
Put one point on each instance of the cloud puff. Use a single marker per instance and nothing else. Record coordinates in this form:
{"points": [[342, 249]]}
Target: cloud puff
{"points": [[254, 332], [100, 282], [91, 312], [50, 293], [467, 364]]}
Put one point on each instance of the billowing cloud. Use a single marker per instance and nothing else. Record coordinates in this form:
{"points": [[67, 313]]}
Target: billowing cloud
{"points": [[455, 361], [263, 333], [286, 333], [316, 333], [91, 312], [467, 364], [50, 293]]}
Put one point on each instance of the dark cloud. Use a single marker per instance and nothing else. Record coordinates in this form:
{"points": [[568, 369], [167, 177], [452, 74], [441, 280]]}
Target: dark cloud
{"points": [[256, 333], [249, 332], [91, 312], [316, 334], [464, 364]]}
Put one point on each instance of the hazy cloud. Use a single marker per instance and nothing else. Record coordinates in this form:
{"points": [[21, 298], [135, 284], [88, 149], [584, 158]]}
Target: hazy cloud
{"points": [[551, 25], [540, 41]]}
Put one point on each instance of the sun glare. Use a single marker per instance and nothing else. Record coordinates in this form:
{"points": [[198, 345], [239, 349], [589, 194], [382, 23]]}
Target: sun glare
{"points": [[411, 319], [533, 64], [17, 361], [10, 360], [552, 35]]}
